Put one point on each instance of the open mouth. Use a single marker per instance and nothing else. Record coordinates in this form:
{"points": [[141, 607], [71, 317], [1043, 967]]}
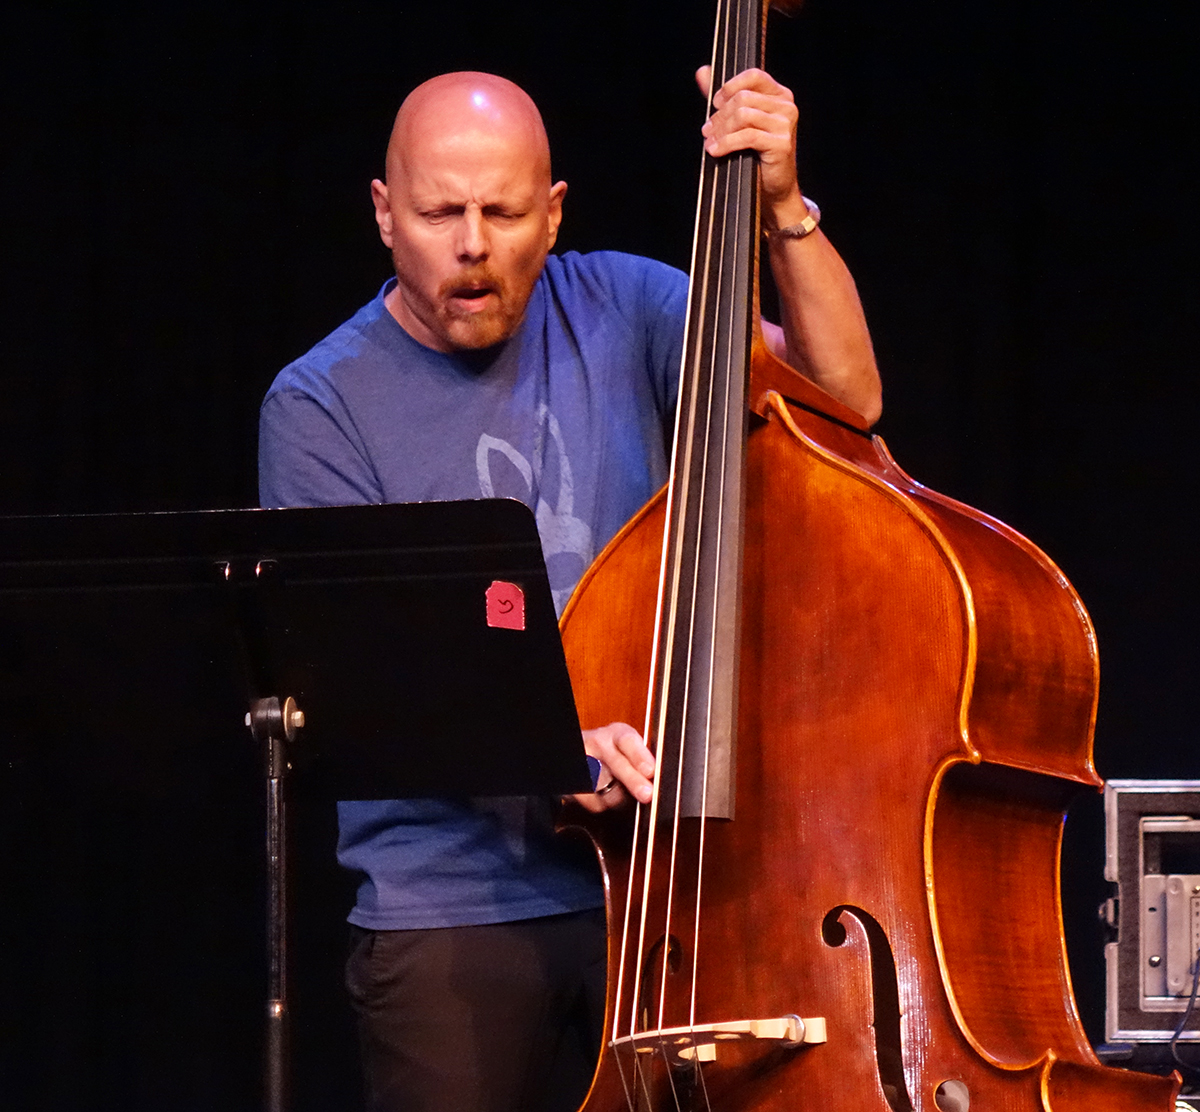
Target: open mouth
{"points": [[472, 296]]}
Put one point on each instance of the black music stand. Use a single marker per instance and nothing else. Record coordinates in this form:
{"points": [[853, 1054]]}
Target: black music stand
{"points": [[389, 651]]}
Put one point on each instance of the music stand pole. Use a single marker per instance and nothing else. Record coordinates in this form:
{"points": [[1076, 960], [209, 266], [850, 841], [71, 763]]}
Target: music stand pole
{"points": [[273, 725]]}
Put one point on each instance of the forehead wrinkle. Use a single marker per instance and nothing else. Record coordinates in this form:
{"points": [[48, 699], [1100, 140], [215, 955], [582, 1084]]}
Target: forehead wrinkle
{"points": [[462, 169]]}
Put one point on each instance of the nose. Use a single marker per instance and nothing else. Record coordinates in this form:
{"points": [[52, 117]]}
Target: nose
{"points": [[472, 236]]}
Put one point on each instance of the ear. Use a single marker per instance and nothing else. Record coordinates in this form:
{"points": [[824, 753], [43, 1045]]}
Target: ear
{"points": [[383, 211], [554, 216]]}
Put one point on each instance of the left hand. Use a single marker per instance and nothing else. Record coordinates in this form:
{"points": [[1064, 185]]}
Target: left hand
{"points": [[753, 112], [824, 334]]}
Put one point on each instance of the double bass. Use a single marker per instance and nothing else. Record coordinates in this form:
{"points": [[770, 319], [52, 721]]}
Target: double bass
{"points": [[870, 706]]}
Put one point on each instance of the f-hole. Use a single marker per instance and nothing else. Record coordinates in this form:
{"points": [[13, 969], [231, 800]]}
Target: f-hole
{"points": [[673, 958], [885, 991]]}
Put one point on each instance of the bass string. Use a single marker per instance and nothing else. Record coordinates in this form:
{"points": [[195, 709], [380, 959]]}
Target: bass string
{"points": [[741, 41], [741, 50], [724, 405], [703, 396], [670, 590], [679, 649], [717, 177], [660, 664], [666, 617], [694, 615]]}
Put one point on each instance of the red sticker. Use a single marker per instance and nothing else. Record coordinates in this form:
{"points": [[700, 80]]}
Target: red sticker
{"points": [[505, 605]]}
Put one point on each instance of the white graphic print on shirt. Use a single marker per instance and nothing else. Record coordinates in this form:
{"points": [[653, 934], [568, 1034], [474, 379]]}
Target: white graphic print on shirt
{"points": [[560, 531]]}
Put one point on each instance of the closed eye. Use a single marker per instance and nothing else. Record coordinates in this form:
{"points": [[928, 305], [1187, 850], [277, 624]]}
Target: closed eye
{"points": [[497, 214], [445, 212], [502, 214]]}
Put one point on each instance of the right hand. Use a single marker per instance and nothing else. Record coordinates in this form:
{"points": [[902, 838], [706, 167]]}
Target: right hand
{"points": [[625, 763]]}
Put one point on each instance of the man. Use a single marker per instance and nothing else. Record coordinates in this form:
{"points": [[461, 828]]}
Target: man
{"points": [[491, 368]]}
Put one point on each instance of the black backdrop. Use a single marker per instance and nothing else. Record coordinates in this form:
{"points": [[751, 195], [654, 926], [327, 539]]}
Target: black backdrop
{"points": [[184, 209]]}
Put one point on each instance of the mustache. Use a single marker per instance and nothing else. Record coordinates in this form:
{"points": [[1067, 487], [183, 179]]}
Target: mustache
{"points": [[474, 278]]}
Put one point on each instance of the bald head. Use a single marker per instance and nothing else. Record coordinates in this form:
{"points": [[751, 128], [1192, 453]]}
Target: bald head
{"points": [[468, 209], [468, 108]]}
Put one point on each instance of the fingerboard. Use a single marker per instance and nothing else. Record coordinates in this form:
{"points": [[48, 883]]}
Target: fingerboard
{"points": [[694, 695]]}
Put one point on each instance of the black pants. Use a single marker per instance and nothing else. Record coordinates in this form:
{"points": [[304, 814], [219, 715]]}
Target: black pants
{"points": [[499, 1018]]}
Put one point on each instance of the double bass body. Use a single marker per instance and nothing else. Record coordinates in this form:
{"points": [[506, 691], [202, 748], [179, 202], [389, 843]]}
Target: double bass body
{"points": [[916, 699]]}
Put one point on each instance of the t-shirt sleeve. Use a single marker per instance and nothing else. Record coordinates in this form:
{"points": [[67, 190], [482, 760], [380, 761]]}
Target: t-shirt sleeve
{"points": [[652, 299], [665, 311], [307, 456]]}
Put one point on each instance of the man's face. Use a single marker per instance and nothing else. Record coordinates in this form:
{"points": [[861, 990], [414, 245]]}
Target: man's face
{"points": [[469, 216]]}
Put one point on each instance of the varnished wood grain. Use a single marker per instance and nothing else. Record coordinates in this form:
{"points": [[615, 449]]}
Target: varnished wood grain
{"points": [[883, 769]]}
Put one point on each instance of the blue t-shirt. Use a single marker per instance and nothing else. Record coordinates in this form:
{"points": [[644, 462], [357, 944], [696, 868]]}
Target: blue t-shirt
{"points": [[570, 416]]}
